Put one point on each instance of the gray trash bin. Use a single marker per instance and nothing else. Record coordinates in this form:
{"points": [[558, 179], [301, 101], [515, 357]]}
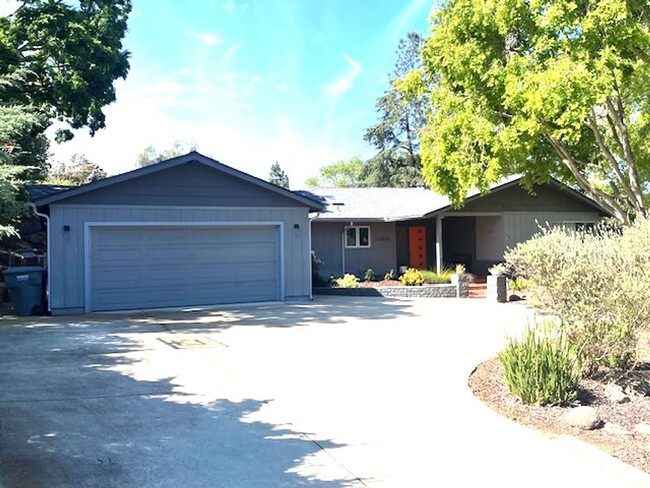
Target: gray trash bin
{"points": [[26, 286]]}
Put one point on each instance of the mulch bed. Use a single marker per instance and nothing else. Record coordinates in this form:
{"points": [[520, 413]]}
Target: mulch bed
{"points": [[617, 437]]}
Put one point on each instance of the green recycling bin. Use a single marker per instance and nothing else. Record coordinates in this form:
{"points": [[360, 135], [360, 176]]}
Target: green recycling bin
{"points": [[26, 285]]}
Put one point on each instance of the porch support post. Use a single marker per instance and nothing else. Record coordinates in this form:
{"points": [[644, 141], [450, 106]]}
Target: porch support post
{"points": [[438, 243]]}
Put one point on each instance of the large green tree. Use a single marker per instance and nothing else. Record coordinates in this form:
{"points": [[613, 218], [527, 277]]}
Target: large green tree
{"points": [[151, 155], [539, 87], [395, 136], [79, 170], [340, 174], [68, 57], [58, 61]]}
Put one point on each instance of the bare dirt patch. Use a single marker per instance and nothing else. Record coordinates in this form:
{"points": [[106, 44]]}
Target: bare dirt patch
{"points": [[618, 436]]}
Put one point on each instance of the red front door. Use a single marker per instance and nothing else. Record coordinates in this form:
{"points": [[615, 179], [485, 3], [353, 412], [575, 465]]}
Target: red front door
{"points": [[418, 247]]}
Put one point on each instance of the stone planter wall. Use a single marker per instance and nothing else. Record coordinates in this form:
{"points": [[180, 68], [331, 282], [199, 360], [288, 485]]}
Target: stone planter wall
{"points": [[461, 282], [426, 291]]}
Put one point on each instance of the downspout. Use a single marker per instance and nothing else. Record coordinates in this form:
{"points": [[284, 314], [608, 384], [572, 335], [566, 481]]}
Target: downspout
{"points": [[47, 255], [311, 260]]}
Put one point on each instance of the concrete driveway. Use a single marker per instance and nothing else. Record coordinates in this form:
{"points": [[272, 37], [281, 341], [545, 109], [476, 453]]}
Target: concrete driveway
{"points": [[342, 392]]}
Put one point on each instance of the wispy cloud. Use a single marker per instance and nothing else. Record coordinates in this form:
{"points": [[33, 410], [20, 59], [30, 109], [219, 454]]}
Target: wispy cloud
{"points": [[232, 50], [207, 38], [344, 82], [397, 28]]}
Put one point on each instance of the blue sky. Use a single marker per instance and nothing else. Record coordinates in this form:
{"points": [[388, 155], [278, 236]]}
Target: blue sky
{"points": [[251, 82]]}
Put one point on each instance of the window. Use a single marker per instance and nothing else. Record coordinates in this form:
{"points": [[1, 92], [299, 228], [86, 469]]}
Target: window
{"points": [[357, 237]]}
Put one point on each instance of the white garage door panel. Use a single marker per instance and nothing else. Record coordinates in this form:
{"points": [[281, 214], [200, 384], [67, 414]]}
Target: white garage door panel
{"points": [[148, 267]]}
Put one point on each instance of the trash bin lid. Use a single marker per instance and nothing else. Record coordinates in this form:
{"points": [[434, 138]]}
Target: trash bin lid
{"points": [[22, 269]]}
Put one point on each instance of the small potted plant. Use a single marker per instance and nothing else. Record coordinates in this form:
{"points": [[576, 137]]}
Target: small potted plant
{"points": [[498, 269]]}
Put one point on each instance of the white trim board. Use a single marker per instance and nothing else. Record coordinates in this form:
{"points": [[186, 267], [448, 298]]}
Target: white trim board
{"points": [[87, 246]]}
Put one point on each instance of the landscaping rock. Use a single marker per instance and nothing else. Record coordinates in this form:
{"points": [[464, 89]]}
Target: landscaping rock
{"points": [[637, 386], [615, 394], [585, 418], [643, 428]]}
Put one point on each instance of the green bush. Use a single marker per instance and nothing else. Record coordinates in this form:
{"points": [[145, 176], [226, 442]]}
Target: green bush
{"points": [[597, 284], [518, 284], [412, 277], [390, 275], [316, 278], [348, 281], [433, 278], [541, 369], [369, 275]]}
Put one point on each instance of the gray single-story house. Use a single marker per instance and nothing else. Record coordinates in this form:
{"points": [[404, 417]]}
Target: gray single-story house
{"points": [[392, 228], [183, 232]]}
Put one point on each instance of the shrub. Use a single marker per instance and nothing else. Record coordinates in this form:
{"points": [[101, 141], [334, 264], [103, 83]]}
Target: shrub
{"points": [[519, 283], [541, 369], [369, 275], [316, 278], [412, 277], [597, 283], [433, 278], [390, 275], [348, 281]]}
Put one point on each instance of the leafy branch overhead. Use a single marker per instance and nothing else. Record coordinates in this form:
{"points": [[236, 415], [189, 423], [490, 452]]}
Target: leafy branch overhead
{"points": [[68, 58], [543, 88]]}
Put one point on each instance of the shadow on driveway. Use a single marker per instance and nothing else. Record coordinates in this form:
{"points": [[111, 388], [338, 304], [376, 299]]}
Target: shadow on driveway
{"points": [[73, 412]]}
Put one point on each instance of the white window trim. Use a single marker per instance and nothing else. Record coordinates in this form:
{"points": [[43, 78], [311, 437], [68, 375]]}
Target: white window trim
{"points": [[357, 240]]}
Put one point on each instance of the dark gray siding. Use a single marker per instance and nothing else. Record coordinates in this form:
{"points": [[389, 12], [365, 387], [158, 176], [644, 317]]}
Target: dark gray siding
{"points": [[189, 184], [327, 243], [516, 199]]}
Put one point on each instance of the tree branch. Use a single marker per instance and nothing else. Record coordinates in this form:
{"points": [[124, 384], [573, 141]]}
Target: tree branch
{"points": [[606, 201], [618, 113], [593, 126]]}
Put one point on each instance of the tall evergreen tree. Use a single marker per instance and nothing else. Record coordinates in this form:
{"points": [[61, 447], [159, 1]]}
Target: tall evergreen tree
{"points": [[278, 177]]}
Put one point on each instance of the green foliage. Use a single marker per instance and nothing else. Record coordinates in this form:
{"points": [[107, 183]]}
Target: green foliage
{"points": [[340, 174], [518, 284], [18, 148], [433, 278], [395, 136], [67, 57], [596, 283], [369, 275], [278, 177], [316, 278], [79, 171], [348, 281], [390, 276], [151, 155], [543, 89], [412, 277], [541, 369]]}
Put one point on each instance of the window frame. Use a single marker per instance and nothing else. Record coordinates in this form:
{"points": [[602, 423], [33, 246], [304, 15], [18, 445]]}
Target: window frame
{"points": [[357, 237]]}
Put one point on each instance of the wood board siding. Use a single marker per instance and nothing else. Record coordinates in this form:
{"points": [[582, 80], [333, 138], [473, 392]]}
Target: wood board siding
{"points": [[67, 247], [193, 184], [517, 199], [327, 243], [521, 226]]}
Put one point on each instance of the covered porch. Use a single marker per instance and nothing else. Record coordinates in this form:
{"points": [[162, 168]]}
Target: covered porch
{"points": [[443, 240]]}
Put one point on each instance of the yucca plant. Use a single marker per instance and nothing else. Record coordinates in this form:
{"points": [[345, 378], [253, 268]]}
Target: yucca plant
{"points": [[541, 368]]}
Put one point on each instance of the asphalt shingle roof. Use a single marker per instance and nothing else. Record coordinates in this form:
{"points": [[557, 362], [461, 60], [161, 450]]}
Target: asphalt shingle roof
{"points": [[376, 203]]}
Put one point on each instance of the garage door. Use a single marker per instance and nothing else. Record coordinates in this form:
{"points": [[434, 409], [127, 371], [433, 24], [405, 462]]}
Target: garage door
{"points": [[149, 267]]}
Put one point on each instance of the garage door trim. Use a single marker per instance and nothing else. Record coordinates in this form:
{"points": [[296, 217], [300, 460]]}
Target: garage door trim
{"points": [[88, 226]]}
